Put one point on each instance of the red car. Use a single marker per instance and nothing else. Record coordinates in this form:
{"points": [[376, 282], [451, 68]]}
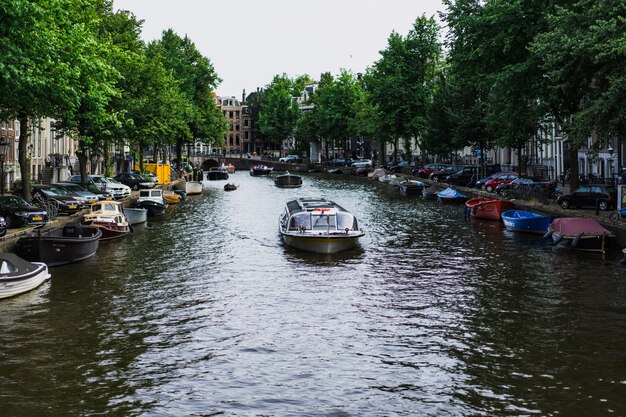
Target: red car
{"points": [[504, 178], [428, 169]]}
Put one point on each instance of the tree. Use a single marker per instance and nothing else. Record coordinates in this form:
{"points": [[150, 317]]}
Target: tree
{"points": [[399, 84], [278, 112], [196, 80], [46, 59], [583, 58]]}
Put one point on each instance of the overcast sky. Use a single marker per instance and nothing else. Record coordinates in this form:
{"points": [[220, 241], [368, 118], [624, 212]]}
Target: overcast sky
{"points": [[250, 41]]}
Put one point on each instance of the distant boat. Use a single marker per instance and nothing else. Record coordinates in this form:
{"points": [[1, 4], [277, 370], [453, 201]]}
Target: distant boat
{"points": [[18, 276], [230, 187], [136, 215], [411, 187], [450, 195], [430, 193], [387, 178], [171, 197], [525, 221], [216, 174], [189, 187], [59, 246], [487, 208], [153, 201], [260, 170], [230, 168], [318, 225], [288, 181], [582, 233]]}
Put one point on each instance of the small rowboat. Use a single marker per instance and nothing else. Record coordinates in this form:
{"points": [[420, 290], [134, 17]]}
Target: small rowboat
{"points": [[487, 208], [525, 221], [230, 187], [450, 195], [18, 276]]}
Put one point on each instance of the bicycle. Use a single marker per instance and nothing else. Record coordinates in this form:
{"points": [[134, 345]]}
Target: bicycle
{"points": [[618, 215]]}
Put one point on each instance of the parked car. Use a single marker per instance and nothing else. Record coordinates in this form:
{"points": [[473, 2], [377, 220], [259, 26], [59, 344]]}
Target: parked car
{"points": [[502, 178], [601, 196], [134, 181], [400, 166], [467, 176], [18, 212], [339, 162], [442, 174], [428, 169], [291, 159], [78, 192], [67, 204], [505, 189], [481, 182], [362, 163], [118, 189]]}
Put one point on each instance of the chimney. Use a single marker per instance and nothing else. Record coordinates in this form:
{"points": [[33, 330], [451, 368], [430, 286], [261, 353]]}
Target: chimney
{"points": [[243, 96]]}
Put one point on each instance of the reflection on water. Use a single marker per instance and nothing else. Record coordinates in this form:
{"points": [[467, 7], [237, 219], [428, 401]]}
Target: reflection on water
{"points": [[206, 312]]}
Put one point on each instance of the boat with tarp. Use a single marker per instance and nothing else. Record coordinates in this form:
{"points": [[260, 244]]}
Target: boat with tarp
{"points": [[582, 233], [318, 225], [450, 195]]}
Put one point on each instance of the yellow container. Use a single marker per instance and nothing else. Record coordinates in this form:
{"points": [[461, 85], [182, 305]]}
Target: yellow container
{"points": [[162, 171]]}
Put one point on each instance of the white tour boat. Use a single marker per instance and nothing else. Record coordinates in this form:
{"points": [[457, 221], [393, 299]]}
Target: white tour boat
{"points": [[318, 225]]}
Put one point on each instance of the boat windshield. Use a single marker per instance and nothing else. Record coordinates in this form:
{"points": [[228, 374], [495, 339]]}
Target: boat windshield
{"points": [[324, 221], [300, 220], [346, 221]]}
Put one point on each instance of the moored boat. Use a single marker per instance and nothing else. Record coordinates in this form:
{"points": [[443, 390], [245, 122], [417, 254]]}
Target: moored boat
{"points": [[18, 276], [109, 217], [217, 174], [318, 225], [171, 197], [260, 170], [411, 187], [525, 221], [487, 208], [59, 246], [153, 201], [387, 178], [450, 195], [135, 215], [189, 187], [582, 233], [288, 181], [430, 193]]}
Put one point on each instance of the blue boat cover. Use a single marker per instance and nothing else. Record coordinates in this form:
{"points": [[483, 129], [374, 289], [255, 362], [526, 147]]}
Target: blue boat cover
{"points": [[450, 193]]}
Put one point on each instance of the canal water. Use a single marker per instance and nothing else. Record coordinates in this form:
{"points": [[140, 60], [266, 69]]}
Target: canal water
{"points": [[205, 312]]}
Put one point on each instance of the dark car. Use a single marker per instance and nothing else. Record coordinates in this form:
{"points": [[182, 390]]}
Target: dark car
{"points": [[467, 176], [48, 193], [442, 174], [134, 181], [400, 166], [601, 196], [505, 189], [428, 169], [18, 212], [340, 162]]}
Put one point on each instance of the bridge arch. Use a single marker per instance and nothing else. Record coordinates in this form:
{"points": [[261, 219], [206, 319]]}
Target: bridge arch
{"points": [[209, 163]]}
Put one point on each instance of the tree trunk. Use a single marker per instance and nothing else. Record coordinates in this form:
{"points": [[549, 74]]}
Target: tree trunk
{"points": [[23, 156], [179, 155], [574, 182], [141, 158], [82, 165]]}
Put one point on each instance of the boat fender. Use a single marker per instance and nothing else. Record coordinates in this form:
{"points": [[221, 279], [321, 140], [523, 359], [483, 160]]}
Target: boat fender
{"points": [[557, 240], [548, 234], [576, 241]]}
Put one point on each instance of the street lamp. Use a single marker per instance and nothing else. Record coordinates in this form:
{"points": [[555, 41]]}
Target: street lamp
{"points": [[3, 147]]}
